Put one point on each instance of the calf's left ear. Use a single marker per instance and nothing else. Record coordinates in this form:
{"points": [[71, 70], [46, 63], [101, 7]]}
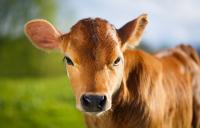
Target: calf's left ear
{"points": [[43, 34], [131, 33]]}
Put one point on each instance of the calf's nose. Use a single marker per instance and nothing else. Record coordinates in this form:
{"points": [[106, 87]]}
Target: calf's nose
{"points": [[93, 103]]}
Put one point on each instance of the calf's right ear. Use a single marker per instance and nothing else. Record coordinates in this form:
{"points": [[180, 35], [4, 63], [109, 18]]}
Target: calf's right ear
{"points": [[131, 33], [43, 34]]}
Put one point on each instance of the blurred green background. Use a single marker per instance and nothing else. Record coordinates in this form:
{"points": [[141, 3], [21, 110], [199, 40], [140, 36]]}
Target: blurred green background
{"points": [[34, 89]]}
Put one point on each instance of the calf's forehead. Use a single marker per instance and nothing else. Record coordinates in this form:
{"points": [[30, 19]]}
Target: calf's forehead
{"points": [[91, 37]]}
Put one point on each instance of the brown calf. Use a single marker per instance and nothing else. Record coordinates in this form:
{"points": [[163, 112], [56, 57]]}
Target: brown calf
{"points": [[119, 87]]}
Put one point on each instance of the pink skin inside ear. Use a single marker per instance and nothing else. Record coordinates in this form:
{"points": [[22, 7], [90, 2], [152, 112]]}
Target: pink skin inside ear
{"points": [[42, 34]]}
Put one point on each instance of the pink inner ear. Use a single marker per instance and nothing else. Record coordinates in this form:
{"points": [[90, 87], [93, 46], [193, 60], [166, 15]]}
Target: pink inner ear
{"points": [[42, 34]]}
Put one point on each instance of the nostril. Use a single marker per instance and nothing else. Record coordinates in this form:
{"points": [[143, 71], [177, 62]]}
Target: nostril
{"points": [[86, 100], [102, 102]]}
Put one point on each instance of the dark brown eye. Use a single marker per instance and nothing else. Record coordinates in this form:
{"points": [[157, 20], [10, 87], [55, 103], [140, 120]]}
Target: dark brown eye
{"points": [[68, 60], [116, 62]]}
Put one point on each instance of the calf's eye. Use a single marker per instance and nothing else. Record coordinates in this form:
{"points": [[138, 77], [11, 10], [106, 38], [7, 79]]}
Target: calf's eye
{"points": [[116, 62], [68, 60]]}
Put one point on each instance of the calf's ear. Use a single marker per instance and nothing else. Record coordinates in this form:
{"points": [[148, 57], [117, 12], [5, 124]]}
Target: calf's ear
{"points": [[43, 34], [131, 33]]}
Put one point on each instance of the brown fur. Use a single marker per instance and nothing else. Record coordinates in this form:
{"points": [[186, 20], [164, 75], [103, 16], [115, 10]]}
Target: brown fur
{"points": [[156, 94], [144, 90]]}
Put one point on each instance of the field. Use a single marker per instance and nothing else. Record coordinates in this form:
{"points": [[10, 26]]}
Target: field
{"points": [[38, 103]]}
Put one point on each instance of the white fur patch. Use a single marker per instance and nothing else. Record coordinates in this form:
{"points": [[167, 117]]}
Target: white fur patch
{"points": [[163, 53], [112, 32]]}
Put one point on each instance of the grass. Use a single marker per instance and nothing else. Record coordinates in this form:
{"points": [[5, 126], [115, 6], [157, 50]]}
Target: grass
{"points": [[38, 103]]}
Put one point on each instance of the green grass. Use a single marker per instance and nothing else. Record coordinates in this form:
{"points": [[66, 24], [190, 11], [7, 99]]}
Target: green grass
{"points": [[38, 103]]}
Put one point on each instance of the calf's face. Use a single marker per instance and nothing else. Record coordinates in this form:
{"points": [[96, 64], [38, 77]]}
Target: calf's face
{"points": [[93, 52]]}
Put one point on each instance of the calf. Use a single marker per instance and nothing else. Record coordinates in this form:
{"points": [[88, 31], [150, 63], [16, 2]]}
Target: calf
{"points": [[117, 86]]}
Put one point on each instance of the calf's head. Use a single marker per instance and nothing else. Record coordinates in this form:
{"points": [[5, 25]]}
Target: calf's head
{"points": [[93, 51]]}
